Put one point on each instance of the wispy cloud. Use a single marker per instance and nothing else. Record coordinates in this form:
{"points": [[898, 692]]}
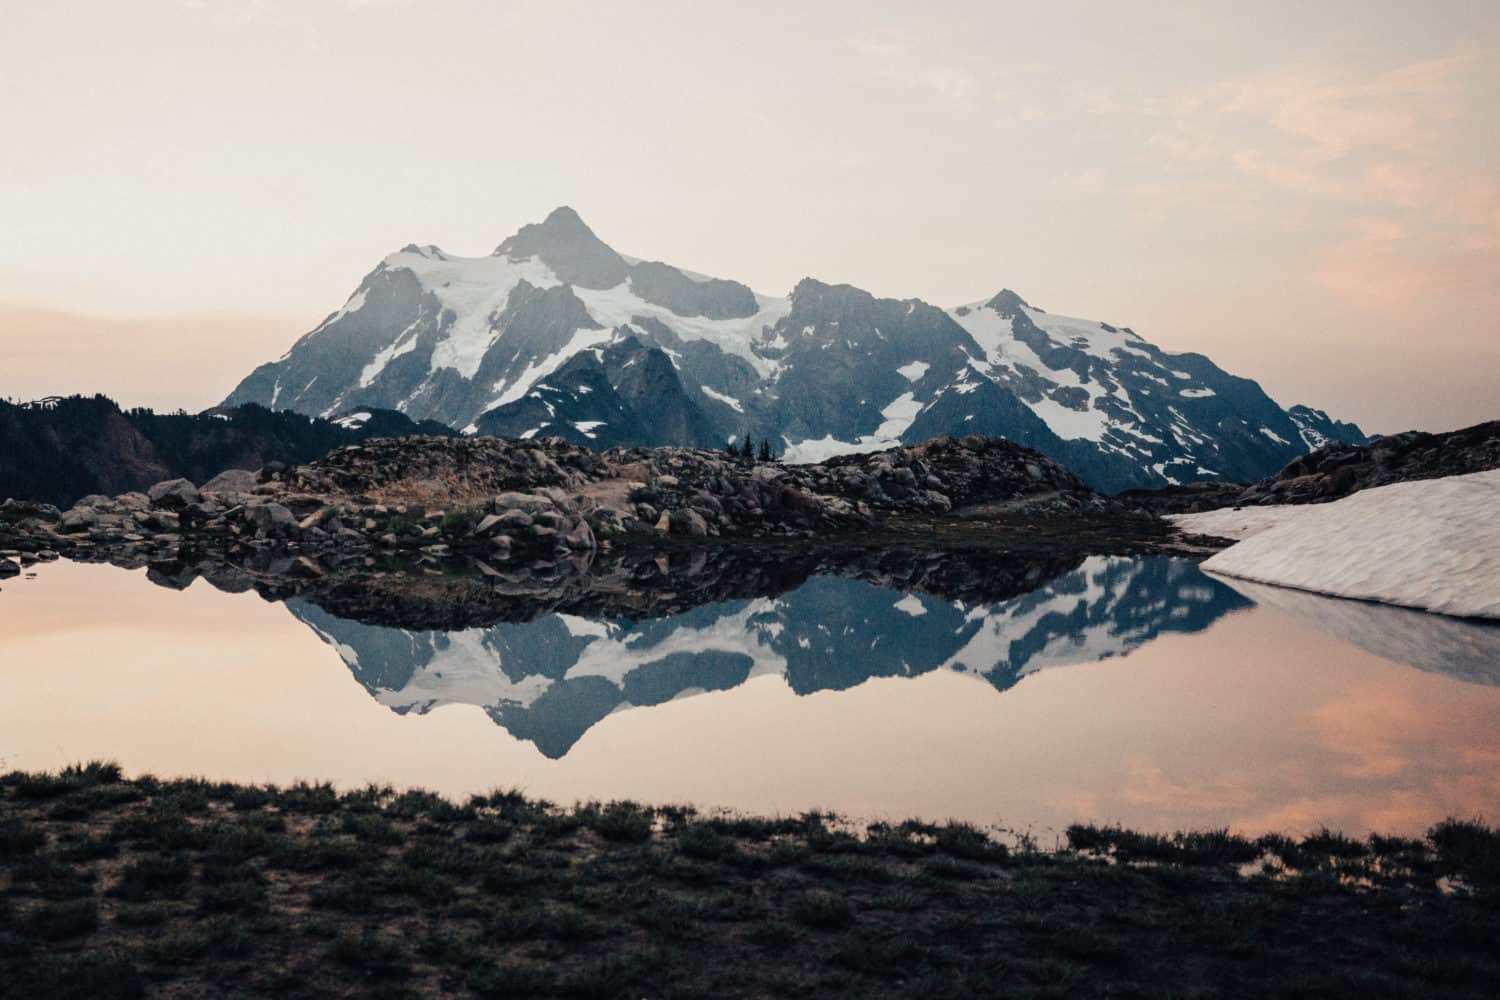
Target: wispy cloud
{"points": [[899, 61]]}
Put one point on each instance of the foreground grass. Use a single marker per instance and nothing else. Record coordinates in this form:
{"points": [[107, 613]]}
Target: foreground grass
{"points": [[122, 888]]}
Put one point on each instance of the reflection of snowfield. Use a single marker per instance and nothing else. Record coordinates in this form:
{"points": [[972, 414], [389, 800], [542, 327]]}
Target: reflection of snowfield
{"points": [[1466, 650], [1433, 545], [830, 633]]}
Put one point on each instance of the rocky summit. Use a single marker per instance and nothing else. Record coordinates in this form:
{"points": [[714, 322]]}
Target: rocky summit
{"points": [[556, 334]]}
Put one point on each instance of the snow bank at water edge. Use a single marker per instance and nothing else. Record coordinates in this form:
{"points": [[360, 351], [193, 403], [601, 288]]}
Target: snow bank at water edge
{"points": [[1433, 545], [1238, 523]]}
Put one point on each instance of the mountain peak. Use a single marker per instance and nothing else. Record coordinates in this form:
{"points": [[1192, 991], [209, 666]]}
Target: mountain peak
{"points": [[565, 216], [569, 247], [1007, 303]]}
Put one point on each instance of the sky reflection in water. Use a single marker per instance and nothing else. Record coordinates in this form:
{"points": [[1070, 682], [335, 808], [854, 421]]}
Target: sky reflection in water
{"points": [[1138, 691]]}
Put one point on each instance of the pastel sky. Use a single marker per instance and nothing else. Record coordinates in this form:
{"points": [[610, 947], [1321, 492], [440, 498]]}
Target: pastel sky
{"points": [[1306, 192]]}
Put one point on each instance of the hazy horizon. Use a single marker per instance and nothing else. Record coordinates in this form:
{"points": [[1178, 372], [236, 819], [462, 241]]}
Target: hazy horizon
{"points": [[1305, 195]]}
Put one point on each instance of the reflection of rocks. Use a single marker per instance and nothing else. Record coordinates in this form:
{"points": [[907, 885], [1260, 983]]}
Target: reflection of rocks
{"points": [[629, 583], [549, 678], [1460, 648]]}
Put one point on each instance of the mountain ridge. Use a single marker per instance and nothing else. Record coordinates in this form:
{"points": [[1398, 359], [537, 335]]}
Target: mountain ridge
{"points": [[828, 369]]}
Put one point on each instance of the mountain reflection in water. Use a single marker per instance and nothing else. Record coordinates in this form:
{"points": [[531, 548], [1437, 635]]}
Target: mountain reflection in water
{"points": [[549, 679]]}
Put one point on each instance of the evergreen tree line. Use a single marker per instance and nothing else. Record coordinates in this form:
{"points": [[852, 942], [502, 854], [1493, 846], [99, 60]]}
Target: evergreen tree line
{"points": [[60, 450], [746, 450]]}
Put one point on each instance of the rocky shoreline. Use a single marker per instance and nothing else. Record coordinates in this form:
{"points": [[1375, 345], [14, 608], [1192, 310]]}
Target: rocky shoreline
{"points": [[494, 505]]}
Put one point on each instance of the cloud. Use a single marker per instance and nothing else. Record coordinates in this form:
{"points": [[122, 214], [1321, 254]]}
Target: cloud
{"points": [[892, 59]]}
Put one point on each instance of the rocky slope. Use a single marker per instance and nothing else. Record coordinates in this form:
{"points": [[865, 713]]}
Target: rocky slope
{"points": [[57, 450], [1338, 470], [555, 333]]}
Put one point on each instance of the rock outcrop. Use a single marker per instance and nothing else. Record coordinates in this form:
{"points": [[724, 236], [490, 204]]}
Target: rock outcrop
{"points": [[499, 500], [1338, 470]]}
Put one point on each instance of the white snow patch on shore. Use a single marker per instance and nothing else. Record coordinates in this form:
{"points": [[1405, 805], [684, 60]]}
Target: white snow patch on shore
{"points": [[1432, 545], [1238, 523]]}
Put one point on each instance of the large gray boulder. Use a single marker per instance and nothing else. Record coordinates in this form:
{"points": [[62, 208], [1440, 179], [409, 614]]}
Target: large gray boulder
{"points": [[173, 494], [231, 482], [78, 519], [272, 518]]}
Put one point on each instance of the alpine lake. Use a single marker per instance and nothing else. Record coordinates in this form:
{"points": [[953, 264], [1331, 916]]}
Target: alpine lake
{"points": [[1116, 690]]}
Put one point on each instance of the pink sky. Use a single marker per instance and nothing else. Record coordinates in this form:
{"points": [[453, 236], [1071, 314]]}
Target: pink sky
{"points": [[1304, 192]]}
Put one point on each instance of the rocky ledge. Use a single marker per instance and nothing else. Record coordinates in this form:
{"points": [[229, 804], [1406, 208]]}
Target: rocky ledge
{"points": [[1336, 471], [499, 499]]}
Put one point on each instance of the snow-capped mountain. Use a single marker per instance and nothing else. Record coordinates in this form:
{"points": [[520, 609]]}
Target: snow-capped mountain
{"points": [[549, 680], [557, 334]]}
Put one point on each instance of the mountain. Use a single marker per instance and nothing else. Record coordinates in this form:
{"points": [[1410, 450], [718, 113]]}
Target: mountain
{"points": [[62, 448], [555, 333], [551, 679]]}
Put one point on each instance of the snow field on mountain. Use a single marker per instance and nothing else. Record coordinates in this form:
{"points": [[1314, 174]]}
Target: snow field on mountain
{"points": [[474, 288], [1432, 545], [619, 306]]}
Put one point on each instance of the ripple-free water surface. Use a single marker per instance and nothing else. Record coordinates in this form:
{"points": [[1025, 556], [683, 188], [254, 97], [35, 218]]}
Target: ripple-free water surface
{"points": [[1138, 691]]}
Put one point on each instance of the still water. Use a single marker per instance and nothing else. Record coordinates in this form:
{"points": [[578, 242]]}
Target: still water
{"points": [[1138, 691]]}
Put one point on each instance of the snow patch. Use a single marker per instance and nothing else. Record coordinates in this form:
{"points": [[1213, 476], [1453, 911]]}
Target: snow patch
{"points": [[1274, 436], [911, 605], [913, 371], [898, 413], [354, 421], [1432, 545], [729, 401]]}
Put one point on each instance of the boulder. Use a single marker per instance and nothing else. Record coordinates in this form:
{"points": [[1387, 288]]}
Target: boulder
{"points": [[488, 525], [161, 520], [514, 520], [303, 568], [578, 537], [77, 519], [688, 522], [272, 518], [173, 494], [8, 567], [230, 482]]}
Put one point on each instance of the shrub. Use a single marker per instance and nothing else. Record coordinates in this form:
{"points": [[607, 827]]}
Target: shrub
{"points": [[19, 837], [822, 910], [73, 918], [152, 876], [457, 522]]}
